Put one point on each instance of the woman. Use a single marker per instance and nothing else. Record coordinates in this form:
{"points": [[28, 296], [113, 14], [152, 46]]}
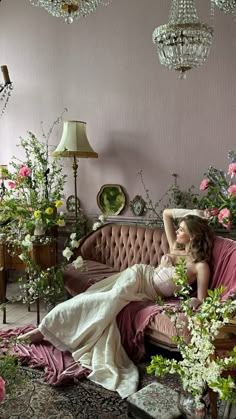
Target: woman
{"points": [[86, 324]]}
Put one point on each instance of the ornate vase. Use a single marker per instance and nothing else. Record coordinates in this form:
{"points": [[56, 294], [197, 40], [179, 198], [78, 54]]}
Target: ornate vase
{"points": [[187, 407], [39, 229]]}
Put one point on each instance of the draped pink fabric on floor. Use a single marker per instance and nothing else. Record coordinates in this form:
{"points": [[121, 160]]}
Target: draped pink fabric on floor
{"points": [[60, 367]]}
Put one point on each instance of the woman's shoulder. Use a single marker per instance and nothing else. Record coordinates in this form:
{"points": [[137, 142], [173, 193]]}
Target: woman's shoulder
{"points": [[202, 267]]}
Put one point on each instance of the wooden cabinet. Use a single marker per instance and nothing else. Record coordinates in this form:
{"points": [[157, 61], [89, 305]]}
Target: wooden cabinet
{"points": [[43, 254]]}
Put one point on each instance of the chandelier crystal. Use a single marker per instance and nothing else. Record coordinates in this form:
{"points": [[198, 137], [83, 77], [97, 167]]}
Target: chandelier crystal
{"points": [[70, 10], [226, 6], [184, 43]]}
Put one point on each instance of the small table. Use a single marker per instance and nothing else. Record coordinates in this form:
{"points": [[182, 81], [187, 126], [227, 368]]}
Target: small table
{"points": [[43, 255]]}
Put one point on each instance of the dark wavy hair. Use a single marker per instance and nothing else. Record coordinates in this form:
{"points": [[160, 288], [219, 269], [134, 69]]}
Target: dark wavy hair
{"points": [[201, 238]]}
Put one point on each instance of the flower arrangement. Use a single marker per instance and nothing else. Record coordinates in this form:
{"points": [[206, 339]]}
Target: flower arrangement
{"points": [[34, 189], [220, 195], [199, 368], [46, 284]]}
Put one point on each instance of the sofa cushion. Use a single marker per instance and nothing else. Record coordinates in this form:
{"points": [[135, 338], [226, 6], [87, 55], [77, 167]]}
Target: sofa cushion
{"points": [[76, 281], [223, 265], [120, 246]]}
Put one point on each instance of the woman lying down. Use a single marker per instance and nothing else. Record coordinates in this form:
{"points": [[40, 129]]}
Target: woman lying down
{"points": [[85, 325]]}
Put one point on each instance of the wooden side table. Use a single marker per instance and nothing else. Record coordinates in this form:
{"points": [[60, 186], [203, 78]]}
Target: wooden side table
{"points": [[44, 255]]}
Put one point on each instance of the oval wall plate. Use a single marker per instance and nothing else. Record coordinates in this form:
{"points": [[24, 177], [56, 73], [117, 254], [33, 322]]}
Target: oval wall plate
{"points": [[111, 199]]}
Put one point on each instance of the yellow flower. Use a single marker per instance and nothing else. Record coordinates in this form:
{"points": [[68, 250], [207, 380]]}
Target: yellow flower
{"points": [[37, 214], [58, 203], [61, 222], [49, 211]]}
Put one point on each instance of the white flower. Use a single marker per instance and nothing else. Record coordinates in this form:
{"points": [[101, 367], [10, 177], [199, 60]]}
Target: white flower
{"points": [[21, 257], [78, 263], [27, 242], [96, 226], [102, 218], [73, 236], [75, 244], [67, 253]]}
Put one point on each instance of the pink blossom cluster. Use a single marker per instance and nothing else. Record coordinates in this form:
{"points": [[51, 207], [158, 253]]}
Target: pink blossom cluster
{"points": [[223, 214], [23, 172]]}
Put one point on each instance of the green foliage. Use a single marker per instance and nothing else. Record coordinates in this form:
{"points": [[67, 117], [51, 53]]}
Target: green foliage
{"points": [[198, 368], [35, 188], [10, 372]]}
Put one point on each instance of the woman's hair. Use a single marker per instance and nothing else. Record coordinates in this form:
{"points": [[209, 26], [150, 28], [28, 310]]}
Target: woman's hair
{"points": [[201, 238]]}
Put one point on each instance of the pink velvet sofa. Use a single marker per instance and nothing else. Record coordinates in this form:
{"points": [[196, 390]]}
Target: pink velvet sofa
{"points": [[114, 247]]}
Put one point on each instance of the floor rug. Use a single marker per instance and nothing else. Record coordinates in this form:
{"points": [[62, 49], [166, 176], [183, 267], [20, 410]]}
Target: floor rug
{"points": [[82, 400]]}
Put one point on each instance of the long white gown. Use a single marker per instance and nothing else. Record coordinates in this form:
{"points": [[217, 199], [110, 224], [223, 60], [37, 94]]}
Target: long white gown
{"points": [[86, 326]]}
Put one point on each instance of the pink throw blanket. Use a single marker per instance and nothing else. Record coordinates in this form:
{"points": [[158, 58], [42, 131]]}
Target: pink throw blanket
{"points": [[60, 367]]}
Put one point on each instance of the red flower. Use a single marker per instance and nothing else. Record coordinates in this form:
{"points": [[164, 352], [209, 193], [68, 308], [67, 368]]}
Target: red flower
{"points": [[232, 169], [232, 190], [223, 216], [24, 171], [214, 212], [204, 184], [11, 184]]}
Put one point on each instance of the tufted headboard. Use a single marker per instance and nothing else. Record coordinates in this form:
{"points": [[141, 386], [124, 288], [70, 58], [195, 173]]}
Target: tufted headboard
{"points": [[120, 246]]}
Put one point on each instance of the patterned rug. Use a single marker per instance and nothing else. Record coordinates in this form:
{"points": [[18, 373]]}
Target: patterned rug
{"points": [[82, 400]]}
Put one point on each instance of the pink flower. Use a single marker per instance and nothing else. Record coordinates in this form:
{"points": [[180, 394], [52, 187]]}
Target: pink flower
{"points": [[11, 184], [2, 389], [223, 215], [24, 171], [232, 190], [214, 212], [232, 169], [204, 184]]}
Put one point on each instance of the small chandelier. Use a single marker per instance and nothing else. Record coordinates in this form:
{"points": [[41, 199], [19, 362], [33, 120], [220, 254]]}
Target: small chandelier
{"points": [[226, 6], [5, 89], [70, 10], [184, 43]]}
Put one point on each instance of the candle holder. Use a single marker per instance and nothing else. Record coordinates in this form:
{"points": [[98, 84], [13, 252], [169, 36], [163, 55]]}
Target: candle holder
{"points": [[5, 89]]}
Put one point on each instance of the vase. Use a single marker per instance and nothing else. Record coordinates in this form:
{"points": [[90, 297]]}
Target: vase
{"points": [[39, 229], [187, 407]]}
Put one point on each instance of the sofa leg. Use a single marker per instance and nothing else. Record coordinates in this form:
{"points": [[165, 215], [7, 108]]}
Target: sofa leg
{"points": [[213, 403]]}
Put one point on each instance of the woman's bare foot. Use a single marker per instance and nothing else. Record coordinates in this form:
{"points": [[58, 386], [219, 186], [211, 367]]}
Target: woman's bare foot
{"points": [[35, 336]]}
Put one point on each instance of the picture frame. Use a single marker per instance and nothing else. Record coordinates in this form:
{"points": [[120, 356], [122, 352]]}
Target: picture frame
{"points": [[70, 203], [138, 205], [111, 199]]}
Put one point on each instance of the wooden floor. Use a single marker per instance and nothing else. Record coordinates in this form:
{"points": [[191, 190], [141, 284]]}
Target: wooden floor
{"points": [[17, 313]]}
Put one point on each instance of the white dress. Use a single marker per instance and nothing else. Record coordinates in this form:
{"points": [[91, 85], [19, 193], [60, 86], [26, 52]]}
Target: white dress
{"points": [[85, 325]]}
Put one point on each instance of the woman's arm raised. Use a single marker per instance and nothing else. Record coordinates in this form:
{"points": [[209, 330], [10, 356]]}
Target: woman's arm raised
{"points": [[168, 220]]}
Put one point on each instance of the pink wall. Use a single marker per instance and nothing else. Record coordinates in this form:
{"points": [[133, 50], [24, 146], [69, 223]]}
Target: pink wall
{"points": [[105, 70]]}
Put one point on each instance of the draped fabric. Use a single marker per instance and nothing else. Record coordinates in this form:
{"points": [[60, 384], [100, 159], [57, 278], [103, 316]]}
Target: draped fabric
{"points": [[86, 326]]}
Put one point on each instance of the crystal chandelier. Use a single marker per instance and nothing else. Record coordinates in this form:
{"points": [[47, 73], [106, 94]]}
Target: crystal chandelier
{"points": [[70, 10], [227, 6], [184, 43], [5, 89]]}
